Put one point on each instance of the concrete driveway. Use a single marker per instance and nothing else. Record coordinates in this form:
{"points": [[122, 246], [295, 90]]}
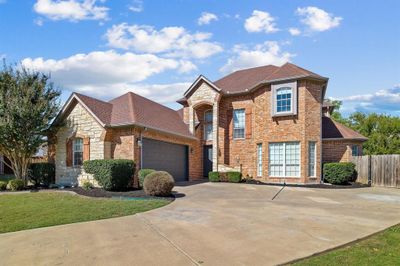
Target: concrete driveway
{"points": [[214, 224]]}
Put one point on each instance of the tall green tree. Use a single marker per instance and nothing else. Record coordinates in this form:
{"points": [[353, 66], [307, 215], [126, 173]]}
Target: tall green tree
{"points": [[383, 132], [28, 104]]}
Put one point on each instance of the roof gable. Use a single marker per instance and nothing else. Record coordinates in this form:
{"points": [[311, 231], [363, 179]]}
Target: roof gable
{"points": [[198, 81], [335, 130]]}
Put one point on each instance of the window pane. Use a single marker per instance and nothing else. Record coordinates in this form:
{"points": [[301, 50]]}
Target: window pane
{"points": [[354, 150], [238, 123], [208, 131], [259, 159], [283, 100], [78, 151], [208, 116], [311, 158], [276, 159], [292, 156]]}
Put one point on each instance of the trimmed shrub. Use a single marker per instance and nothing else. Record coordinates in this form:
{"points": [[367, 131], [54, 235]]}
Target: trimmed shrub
{"points": [[42, 173], [142, 174], [16, 184], [3, 185], [111, 174], [234, 177], [87, 185], [339, 173], [158, 183], [214, 177]]}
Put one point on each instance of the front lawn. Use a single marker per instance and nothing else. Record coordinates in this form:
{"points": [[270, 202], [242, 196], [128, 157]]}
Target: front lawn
{"points": [[380, 249], [33, 210]]}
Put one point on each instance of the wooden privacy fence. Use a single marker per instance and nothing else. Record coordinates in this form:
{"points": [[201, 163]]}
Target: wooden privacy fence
{"points": [[378, 170]]}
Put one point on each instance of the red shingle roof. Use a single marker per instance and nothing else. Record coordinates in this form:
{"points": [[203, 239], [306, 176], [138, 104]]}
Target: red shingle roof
{"points": [[133, 109], [246, 79], [334, 130]]}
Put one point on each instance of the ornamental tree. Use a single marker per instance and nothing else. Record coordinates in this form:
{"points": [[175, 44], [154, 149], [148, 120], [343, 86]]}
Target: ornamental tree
{"points": [[28, 104]]}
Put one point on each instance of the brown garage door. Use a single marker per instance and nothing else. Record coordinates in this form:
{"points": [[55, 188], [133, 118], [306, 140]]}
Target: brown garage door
{"points": [[165, 156]]}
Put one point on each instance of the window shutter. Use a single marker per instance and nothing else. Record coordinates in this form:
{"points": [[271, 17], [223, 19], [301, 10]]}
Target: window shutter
{"points": [[248, 122], [273, 97], [68, 160], [230, 122], [86, 149]]}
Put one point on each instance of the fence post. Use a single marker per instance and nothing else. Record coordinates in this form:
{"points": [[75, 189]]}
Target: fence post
{"points": [[369, 171]]}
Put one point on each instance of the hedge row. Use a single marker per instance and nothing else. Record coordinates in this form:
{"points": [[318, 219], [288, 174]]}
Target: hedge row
{"points": [[111, 174], [232, 177]]}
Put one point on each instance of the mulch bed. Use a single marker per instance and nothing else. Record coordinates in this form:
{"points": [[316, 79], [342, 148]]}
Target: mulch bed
{"points": [[101, 193], [323, 185]]}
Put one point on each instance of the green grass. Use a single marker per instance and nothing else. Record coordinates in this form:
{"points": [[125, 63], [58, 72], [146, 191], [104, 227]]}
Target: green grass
{"points": [[380, 249], [33, 210]]}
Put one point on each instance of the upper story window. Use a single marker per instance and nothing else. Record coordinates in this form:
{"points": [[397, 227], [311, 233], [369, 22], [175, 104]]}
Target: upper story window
{"points": [[284, 99], [77, 151], [208, 125], [239, 123]]}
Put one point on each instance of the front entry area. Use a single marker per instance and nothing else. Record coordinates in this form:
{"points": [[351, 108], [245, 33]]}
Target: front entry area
{"points": [[207, 160], [165, 156]]}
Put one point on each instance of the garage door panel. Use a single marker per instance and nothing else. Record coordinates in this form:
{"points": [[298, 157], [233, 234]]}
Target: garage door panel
{"points": [[164, 156]]}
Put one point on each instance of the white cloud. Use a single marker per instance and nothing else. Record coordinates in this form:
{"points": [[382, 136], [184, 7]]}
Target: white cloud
{"points": [[267, 53], [170, 41], [317, 19], [294, 31], [136, 6], [381, 101], [206, 18], [260, 21], [186, 66], [72, 10], [102, 68]]}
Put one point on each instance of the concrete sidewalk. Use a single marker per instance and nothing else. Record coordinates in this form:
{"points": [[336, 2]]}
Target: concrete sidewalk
{"points": [[214, 224]]}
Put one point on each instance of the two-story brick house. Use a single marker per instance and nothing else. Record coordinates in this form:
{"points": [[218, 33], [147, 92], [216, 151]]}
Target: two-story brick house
{"points": [[268, 122]]}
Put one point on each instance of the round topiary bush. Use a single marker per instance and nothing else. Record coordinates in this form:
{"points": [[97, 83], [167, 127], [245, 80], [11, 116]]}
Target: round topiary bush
{"points": [[158, 183], [3, 185], [339, 173], [16, 184]]}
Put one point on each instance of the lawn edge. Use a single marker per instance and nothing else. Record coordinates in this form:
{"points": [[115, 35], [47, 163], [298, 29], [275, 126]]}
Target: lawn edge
{"points": [[338, 247]]}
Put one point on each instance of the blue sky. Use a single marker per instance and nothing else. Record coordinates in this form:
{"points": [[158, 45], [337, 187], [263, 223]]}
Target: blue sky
{"points": [[157, 48]]}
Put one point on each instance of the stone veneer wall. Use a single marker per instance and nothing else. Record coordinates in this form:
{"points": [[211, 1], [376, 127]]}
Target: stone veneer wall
{"points": [[338, 150], [81, 123]]}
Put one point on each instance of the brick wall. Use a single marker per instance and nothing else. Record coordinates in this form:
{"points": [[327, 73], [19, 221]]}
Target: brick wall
{"points": [[338, 150], [304, 127]]}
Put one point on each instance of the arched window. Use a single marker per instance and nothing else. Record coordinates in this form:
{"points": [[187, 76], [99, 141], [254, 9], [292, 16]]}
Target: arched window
{"points": [[77, 151], [208, 125]]}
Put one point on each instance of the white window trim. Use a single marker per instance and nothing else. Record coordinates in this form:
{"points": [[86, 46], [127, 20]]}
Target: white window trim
{"points": [[259, 169], [315, 158], [284, 160], [73, 153], [206, 123], [293, 102], [233, 124]]}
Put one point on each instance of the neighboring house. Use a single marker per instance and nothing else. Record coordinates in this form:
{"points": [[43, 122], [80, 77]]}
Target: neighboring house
{"points": [[268, 122]]}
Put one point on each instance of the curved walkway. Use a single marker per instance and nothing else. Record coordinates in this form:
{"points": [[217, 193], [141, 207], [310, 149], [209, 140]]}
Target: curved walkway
{"points": [[214, 224]]}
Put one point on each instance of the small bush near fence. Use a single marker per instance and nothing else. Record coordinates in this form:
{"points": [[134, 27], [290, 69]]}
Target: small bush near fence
{"points": [[158, 183], [16, 184], [339, 173], [213, 177], [3, 185], [111, 174], [142, 174], [42, 173], [234, 177]]}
